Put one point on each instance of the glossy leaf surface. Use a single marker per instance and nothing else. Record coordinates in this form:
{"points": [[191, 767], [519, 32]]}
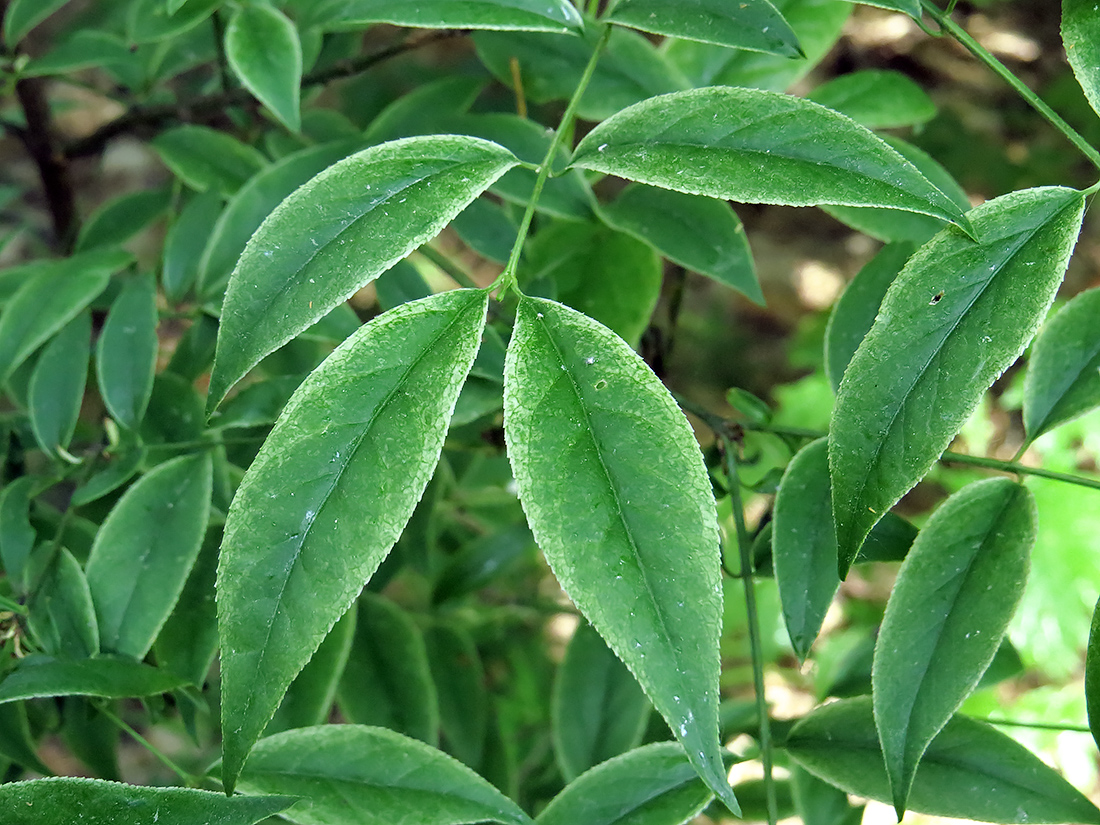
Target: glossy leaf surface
{"points": [[355, 775], [57, 384], [264, 51], [612, 482], [956, 316], [1081, 37], [39, 676], [879, 99], [760, 147], [524, 15], [63, 801], [954, 595], [126, 352], [328, 495], [340, 231], [970, 771], [1063, 373], [749, 24], [205, 158]]}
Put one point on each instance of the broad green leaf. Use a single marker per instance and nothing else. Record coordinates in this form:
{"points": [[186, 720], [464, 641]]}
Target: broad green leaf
{"points": [[597, 710], [854, 312], [1063, 373], [819, 803], [189, 637], [425, 109], [23, 15], [39, 676], [487, 228], [614, 488], [701, 234], [151, 20], [126, 352], [17, 536], [748, 24], [910, 7], [1092, 675], [49, 299], [970, 771], [876, 98], [57, 384], [355, 775], [460, 685], [309, 698], [92, 737], [205, 158], [958, 314], [83, 49], [954, 595], [523, 15], [329, 493], [387, 680], [630, 68], [120, 219], [144, 552], [121, 462], [761, 147], [264, 51], [608, 275], [16, 742], [61, 615], [337, 233], [183, 247], [804, 545], [1081, 36], [652, 785], [63, 801]]}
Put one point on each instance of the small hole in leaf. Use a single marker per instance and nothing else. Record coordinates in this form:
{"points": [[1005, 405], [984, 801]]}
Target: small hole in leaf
{"points": [[936, 299], [601, 384]]}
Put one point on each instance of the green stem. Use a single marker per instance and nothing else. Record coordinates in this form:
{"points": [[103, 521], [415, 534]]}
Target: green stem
{"points": [[1006, 75], [507, 279], [188, 779], [1013, 723], [449, 267], [744, 547]]}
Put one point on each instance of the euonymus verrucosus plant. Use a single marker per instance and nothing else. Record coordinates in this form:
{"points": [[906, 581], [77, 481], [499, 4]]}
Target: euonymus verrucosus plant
{"points": [[108, 595]]}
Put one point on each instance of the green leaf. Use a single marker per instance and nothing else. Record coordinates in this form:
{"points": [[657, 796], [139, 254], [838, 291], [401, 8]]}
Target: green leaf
{"points": [[1063, 373], [479, 562], [151, 20], [1092, 675], [337, 233], [61, 615], [83, 49], [23, 15], [487, 228], [126, 352], [16, 742], [970, 771], [614, 488], [1081, 36], [144, 552], [39, 676], [63, 801], [804, 545], [954, 595], [653, 785], [17, 536], [598, 710], [205, 158], [461, 687], [122, 462], [522, 15], [183, 247], [958, 314], [819, 803], [876, 98], [189, 637], [425, 109], [329, 493], [355, 775], [264, 51], [49, 299], [700, 234], [387, 681], [854, 313], [749, 24], [761, 147], [120, 219], [910, 7], [57, 384]]}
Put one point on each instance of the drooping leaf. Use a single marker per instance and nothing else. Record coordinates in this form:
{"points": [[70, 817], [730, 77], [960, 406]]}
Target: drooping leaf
{"points": [[598, 709], [460, 685], [748, 24], [61, 615], [17, 536], [1081, 37], [16, 742], [120, 219], [970, 770], [57, 384], [206, 159], [152, 20], [309, 698], [153, 534], [523, 15], [126, 352], [355, 775], [65, 800], [328, 495], [954, 595], [23, 15], [958, 314], [1063, 374], [877, 98], [340, 231], [38, 676], [264, 51], [612, 482], [701, 234], [761, 147]]}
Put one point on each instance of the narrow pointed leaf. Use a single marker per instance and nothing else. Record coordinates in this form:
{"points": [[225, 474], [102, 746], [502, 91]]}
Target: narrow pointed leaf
{"points": [[355, 775], [910, 7], [188, 639], [122, 218], [57, 384], [205, 158], [62, 615], [66, 800], [1092, 675], [38, 676], [461, 687], [264, 51], [614, 488], [747, 24], [153, 20], [1063, 373], [954, 595], [17, 536], [340, 231], [184, 246], [758, 147], [970, 771], [329, 493], [16, 742], [877, 98], [23, 15], [956, 316], [310, 697], [1081, 37], [126, 352], [652, 785], [522, 15]]}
